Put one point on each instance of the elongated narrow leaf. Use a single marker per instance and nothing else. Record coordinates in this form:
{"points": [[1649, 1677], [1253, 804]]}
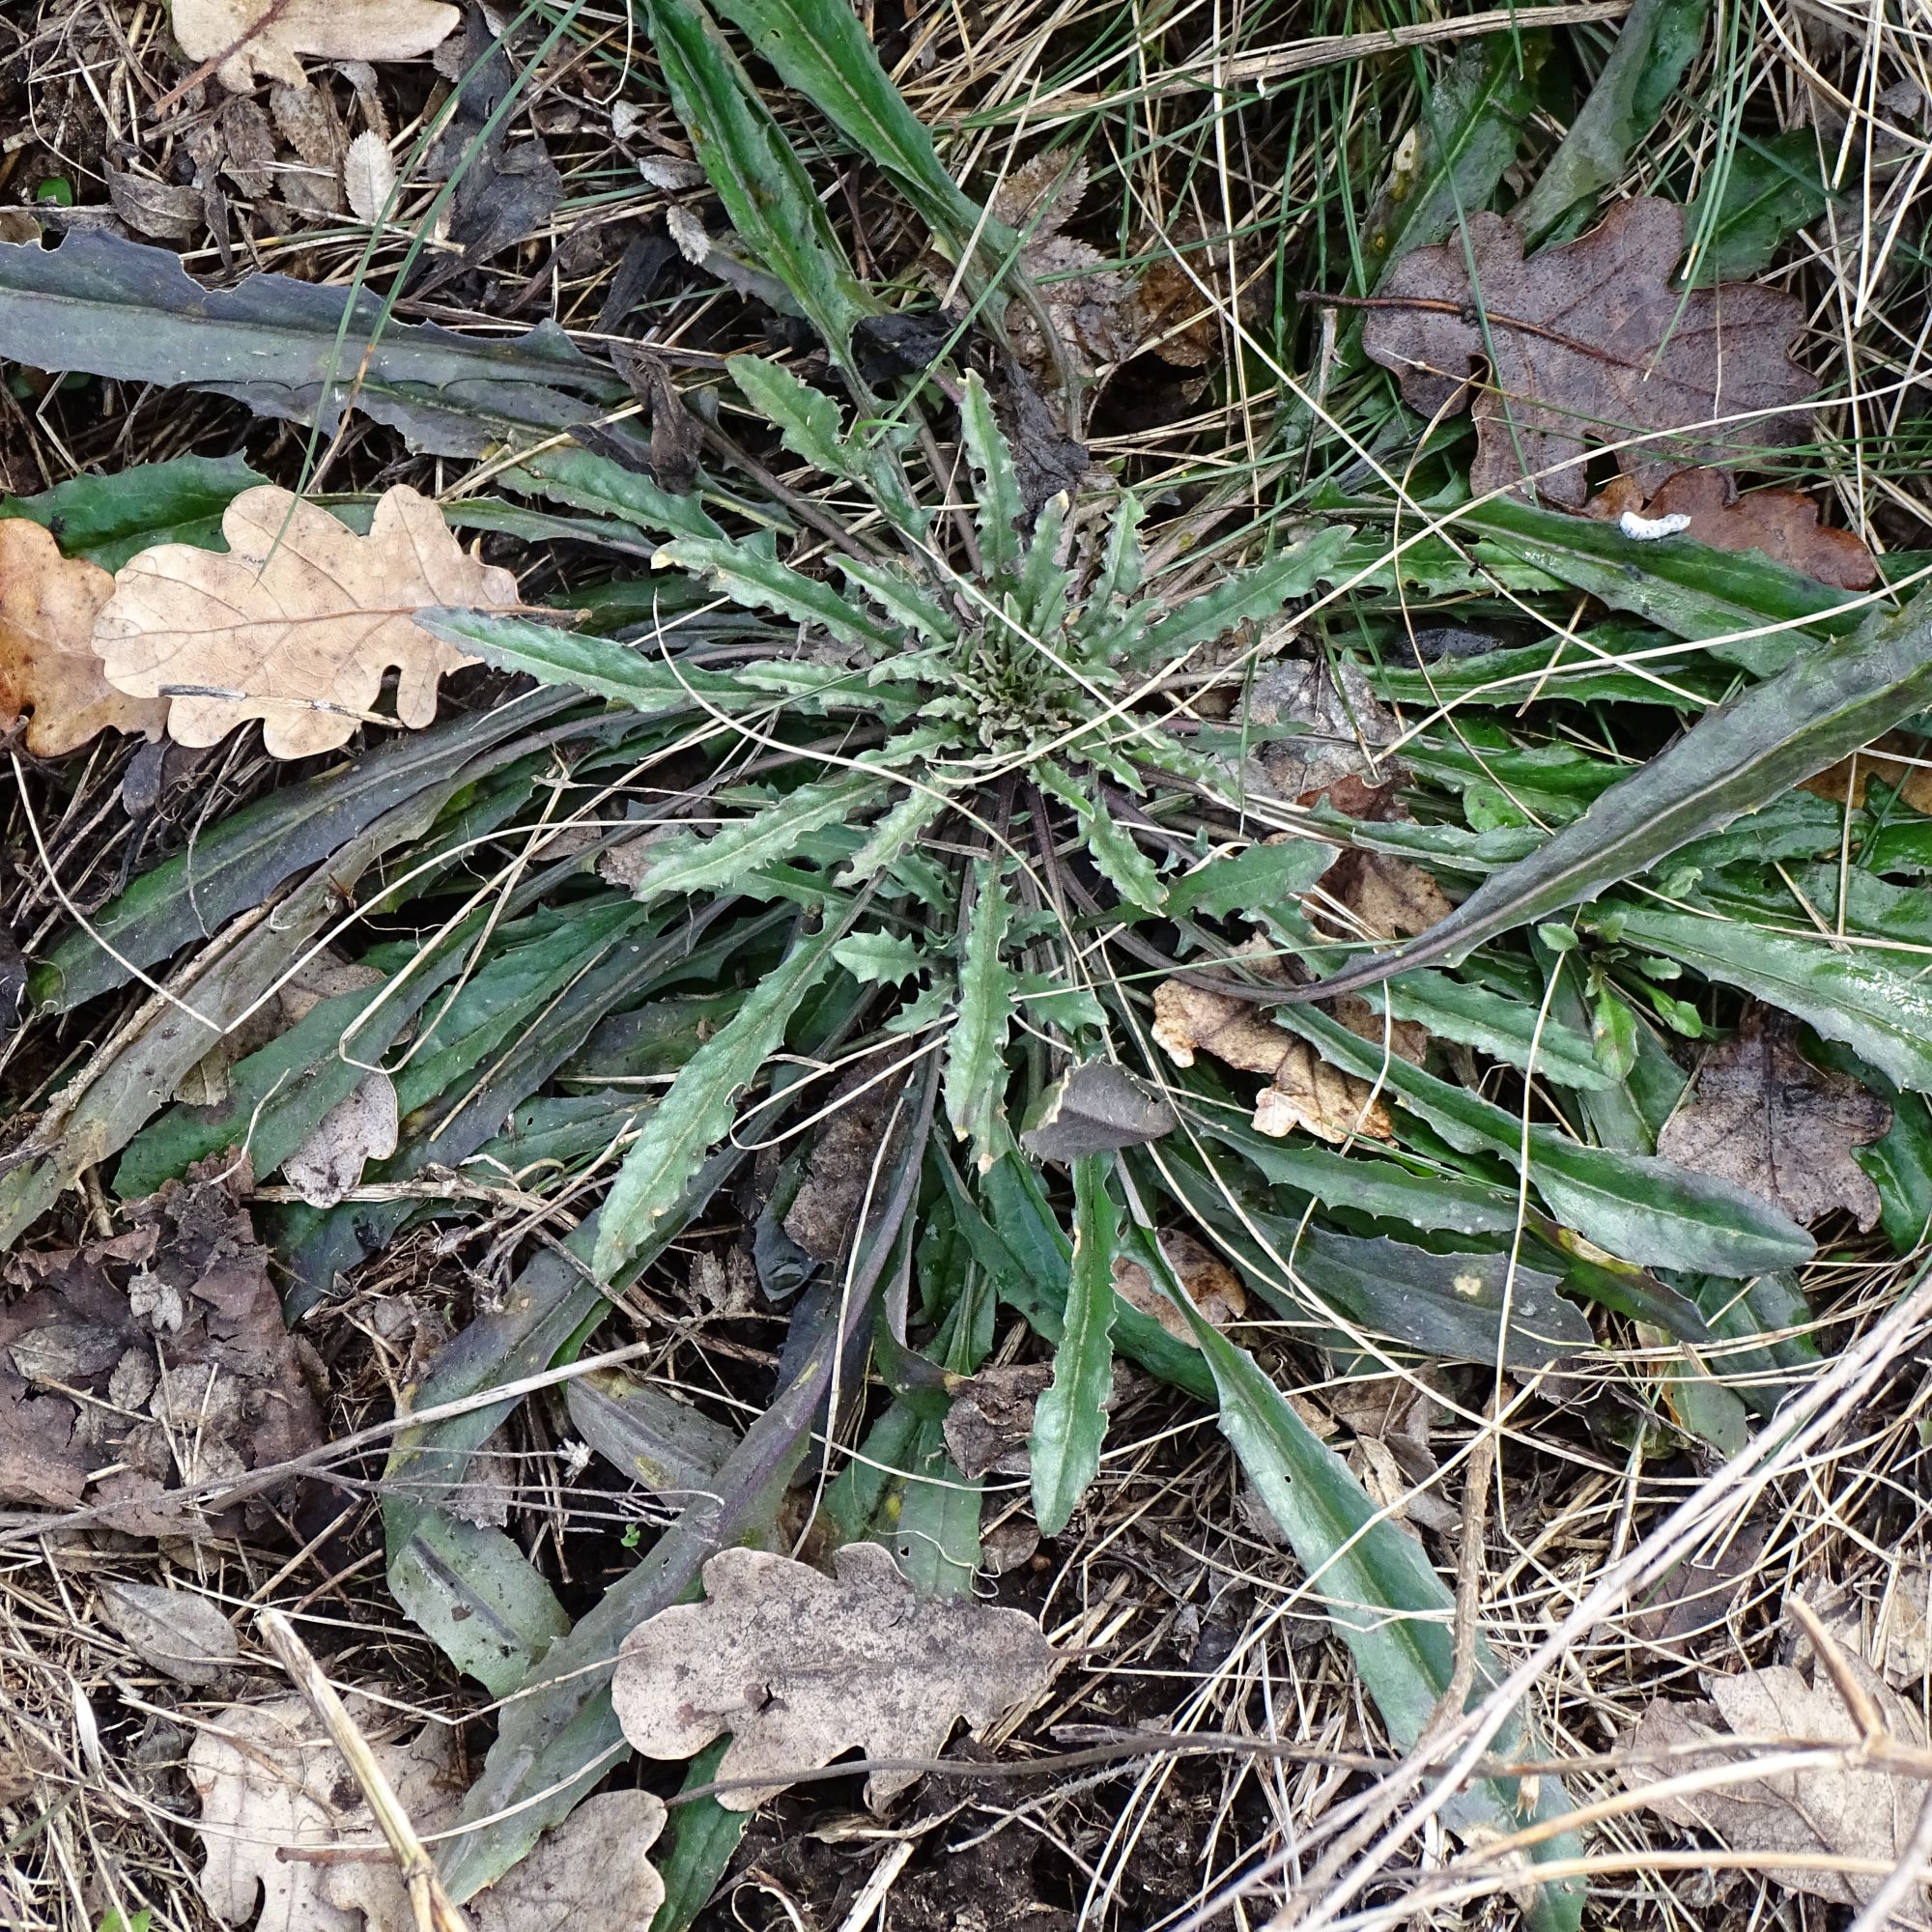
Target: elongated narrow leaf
{"points": [[696, 1113], [1122, 863], [1260, 880], [683, 864], [1829, 702], [1642, 1208], [107, 518], [586, 481], [1245, 595], [1069, 1421], [976, 1065], [1386, 1602], [992, 458], [1771, 188], [759, 179], [1879, 1005], [477, 1596], [750, 574], [295, 350], [820, 50], [703, 1837], [1655, 43]]}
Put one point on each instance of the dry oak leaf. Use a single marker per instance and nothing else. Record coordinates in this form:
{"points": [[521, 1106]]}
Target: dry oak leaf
{"points": [[297, 624], [1761, 1115], [1846, 1810], [48, 604], [1210, 1285], [800, 1667], [361, 1127], [1591, 344], [251, 36], [1845, 782], [1782, 524], [1303, 1091]]}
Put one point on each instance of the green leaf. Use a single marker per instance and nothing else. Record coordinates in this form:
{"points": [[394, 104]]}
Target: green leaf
{"points": [[1069, 1421], [881, 958], [759, 179], [1831, 700], [475, 1596], [976, 1066], [1642, 1208], [586, 481], [1244, 596], [750, 574], [703, 1837], [1773, 186], [107, 519], [1122, 863], [1386, 1602], [682, 864], [1878, 1004], [1001, 506], [1471, 124], [299, 351], [895, 832], [1656, 42], [1257, 880], [697, 1111], [822, 52]]}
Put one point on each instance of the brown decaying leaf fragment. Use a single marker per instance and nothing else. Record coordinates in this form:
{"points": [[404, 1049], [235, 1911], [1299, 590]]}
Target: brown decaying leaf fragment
{"points": [[1591, 344], [1848, 1811], [297, 624], [260, 37], [189, 1369], [268, 1779], [991, 1416], [47, 607], [800, 1667], [1762, 1116], [1782, 524], [1845, 782], [1303, 1091], [1210, 1285]]}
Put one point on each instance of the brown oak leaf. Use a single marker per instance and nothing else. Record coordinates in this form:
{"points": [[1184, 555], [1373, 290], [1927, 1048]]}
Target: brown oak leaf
{"points": [[800, 1667], [48, 667], [1764, 1117], [1211, 1285], [1303, 1089], [251, 36], [296, 624], [1591, 343], [1782, 524]]}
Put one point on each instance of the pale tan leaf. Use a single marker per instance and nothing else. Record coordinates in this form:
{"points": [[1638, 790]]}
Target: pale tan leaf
{"points": [[296, 625], [800, 1668], [1303, 1091], [252, 37], [1845, 1809], [178, 1631], [359, 1129], [48, 605], [1210, 1285], [368, 176]]}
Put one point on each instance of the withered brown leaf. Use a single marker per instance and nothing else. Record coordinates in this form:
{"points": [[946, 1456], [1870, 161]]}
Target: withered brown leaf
{"points": [[1782, 524], [1210, 1285], [800, 1667], [296, 624], [1761, 1115], [1303, 1089], [1591, 344], [48, 667], [251, 36]]}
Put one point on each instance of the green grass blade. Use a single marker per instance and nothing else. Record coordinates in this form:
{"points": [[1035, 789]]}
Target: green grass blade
{"points": [[1828, 703], [1069, 1421]]}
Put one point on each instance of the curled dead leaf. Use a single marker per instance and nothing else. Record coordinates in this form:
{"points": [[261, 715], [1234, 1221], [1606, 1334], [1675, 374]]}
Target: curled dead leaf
{"points": [[991, 1417], [48, 605], [1591, 343], [267, 37], [1211, 1283], [800, 1667], [1303, 1089], [296, 625], [1762, 1116], [1782, 524]]}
